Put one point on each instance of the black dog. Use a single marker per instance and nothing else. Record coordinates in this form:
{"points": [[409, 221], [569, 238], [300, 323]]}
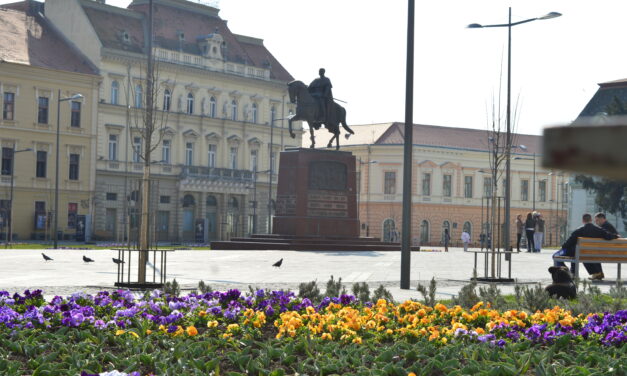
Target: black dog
{"points": [[563, 285]]}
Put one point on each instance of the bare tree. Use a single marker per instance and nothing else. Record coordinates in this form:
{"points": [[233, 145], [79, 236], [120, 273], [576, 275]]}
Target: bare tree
{"points": [[498, 147]]}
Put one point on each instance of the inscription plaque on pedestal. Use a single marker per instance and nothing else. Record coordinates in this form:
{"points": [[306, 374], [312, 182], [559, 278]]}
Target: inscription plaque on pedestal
{"points": [[316, 194]]}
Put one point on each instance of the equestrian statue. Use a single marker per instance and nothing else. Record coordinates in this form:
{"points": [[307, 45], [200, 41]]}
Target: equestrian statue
{"points": [[315, 105]]}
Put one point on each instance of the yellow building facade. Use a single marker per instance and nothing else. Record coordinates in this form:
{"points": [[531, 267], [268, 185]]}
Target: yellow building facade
{"points": [[221, 105], [35, 66]]}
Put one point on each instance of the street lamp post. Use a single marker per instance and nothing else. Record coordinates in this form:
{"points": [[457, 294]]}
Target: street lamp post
{"points": [[509, 26], [56, 174], [10, 227], [534, 176]]}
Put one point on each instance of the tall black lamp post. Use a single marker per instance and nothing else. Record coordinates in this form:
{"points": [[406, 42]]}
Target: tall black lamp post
{"points": [[56, 174], [10, 227], [509, 26]]}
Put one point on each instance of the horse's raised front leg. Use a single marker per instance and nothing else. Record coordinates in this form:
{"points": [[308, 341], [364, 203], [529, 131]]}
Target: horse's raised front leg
{"points": [[289, 122]]}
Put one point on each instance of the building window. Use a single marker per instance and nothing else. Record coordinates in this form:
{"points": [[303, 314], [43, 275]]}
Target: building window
{"points": [[42, 112], [234, 110], [487, 187], [164, 199], [190, 103], [42, 164], [212, 107], [40, 215], [8, 108], [253, 160], [447, 185], [115, 90], [138, 96], [75, 120], [7, 161], [542, 190], [468, 186], [389, 184], [189, 153], [72, 210], [254, 113], [272, 115], [524, 190], [211, 155], [233, 158], [426, 184], [424, 232], [167, 100], [113, 147], [137, 149], [74, 158], [112, 196], [165, 151]]}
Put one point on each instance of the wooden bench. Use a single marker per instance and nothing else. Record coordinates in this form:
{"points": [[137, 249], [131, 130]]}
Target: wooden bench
{"points": [[598, 251]]}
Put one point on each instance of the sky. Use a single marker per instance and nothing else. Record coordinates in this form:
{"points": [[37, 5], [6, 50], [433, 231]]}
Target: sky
{"points": [[556, 64]]}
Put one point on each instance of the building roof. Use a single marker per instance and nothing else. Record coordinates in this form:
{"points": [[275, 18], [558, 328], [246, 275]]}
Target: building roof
{"points": [[27, 38], [427, 135], [600, 103], [177, 26]]}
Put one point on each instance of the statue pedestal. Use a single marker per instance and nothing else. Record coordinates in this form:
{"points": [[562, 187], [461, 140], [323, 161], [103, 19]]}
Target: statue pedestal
{"points": [[316, 194]]}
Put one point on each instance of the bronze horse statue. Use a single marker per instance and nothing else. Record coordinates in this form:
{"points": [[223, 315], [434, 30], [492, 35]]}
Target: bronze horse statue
{"points": [[307, 110]]}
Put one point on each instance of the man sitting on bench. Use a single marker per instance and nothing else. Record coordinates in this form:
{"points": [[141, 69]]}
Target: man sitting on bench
{"points": [[588, 230]]}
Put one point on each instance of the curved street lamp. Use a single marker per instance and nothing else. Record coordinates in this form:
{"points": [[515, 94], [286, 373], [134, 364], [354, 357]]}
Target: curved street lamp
{"points": [[509, 26]]}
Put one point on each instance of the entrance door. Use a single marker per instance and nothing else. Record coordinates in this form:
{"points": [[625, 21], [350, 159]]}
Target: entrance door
{"points": [[212, 218], [111, 222]]}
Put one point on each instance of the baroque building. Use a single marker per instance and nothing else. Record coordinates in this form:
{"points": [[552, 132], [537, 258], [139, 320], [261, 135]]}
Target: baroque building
{"points": [[39, 73], [451, 179], [221, 98]]}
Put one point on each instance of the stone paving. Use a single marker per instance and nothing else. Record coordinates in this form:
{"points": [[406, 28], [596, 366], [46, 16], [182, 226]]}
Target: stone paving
{"points": [[26, 269]]}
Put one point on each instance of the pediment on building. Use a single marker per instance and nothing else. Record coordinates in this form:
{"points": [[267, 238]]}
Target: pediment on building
{"points": [[234, 139], [449, 165], [427, 164], [168, 131], [254, 141], [212, 136], [191, 133]]}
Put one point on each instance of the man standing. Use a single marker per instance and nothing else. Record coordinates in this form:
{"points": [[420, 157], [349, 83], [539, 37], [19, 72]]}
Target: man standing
{"points": [[588, 230], [538, 234], [465, 240], [320, 89]]}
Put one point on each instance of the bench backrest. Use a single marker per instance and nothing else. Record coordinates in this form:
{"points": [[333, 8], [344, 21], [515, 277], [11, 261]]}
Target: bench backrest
{"points": [[592, 249]]}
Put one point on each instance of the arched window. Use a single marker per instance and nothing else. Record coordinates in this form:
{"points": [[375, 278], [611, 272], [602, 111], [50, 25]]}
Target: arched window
{"points": [[424, 232], [115, 89], [272, 115], [446, 226], [212, 201], [190, 103], [468, 228], [212, 107], [233, 203], [253, 113], [167, 100], [234, 110], [138, 96], [188, 201], [389, 231]]}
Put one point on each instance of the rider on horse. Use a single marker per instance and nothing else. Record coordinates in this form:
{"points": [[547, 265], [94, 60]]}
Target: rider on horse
{"points": [[320, 90]]}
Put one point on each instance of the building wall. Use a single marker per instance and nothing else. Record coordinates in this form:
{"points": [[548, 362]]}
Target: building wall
{"points": [[28, 83], [376, 206]]}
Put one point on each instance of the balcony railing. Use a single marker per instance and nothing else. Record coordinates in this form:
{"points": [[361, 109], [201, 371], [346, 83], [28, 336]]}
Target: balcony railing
{"points": [[215, 173]]}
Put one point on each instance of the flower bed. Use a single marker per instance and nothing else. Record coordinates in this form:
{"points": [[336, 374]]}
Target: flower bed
{"points": [[227, 319]]}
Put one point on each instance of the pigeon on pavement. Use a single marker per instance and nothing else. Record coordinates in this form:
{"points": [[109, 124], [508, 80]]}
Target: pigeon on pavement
{"points": [[117, 261], [278, 263], [46, 257], [87, 259]]}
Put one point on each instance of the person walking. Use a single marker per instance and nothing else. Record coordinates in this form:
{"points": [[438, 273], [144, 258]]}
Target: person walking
{"points": [[447, 239], [465, 240], [529, 229], [520, 226], [538, 235], [588, 230]]}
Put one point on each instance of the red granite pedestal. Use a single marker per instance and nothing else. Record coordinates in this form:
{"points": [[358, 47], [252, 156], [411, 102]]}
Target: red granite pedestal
{"points": [[316, 207]]}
